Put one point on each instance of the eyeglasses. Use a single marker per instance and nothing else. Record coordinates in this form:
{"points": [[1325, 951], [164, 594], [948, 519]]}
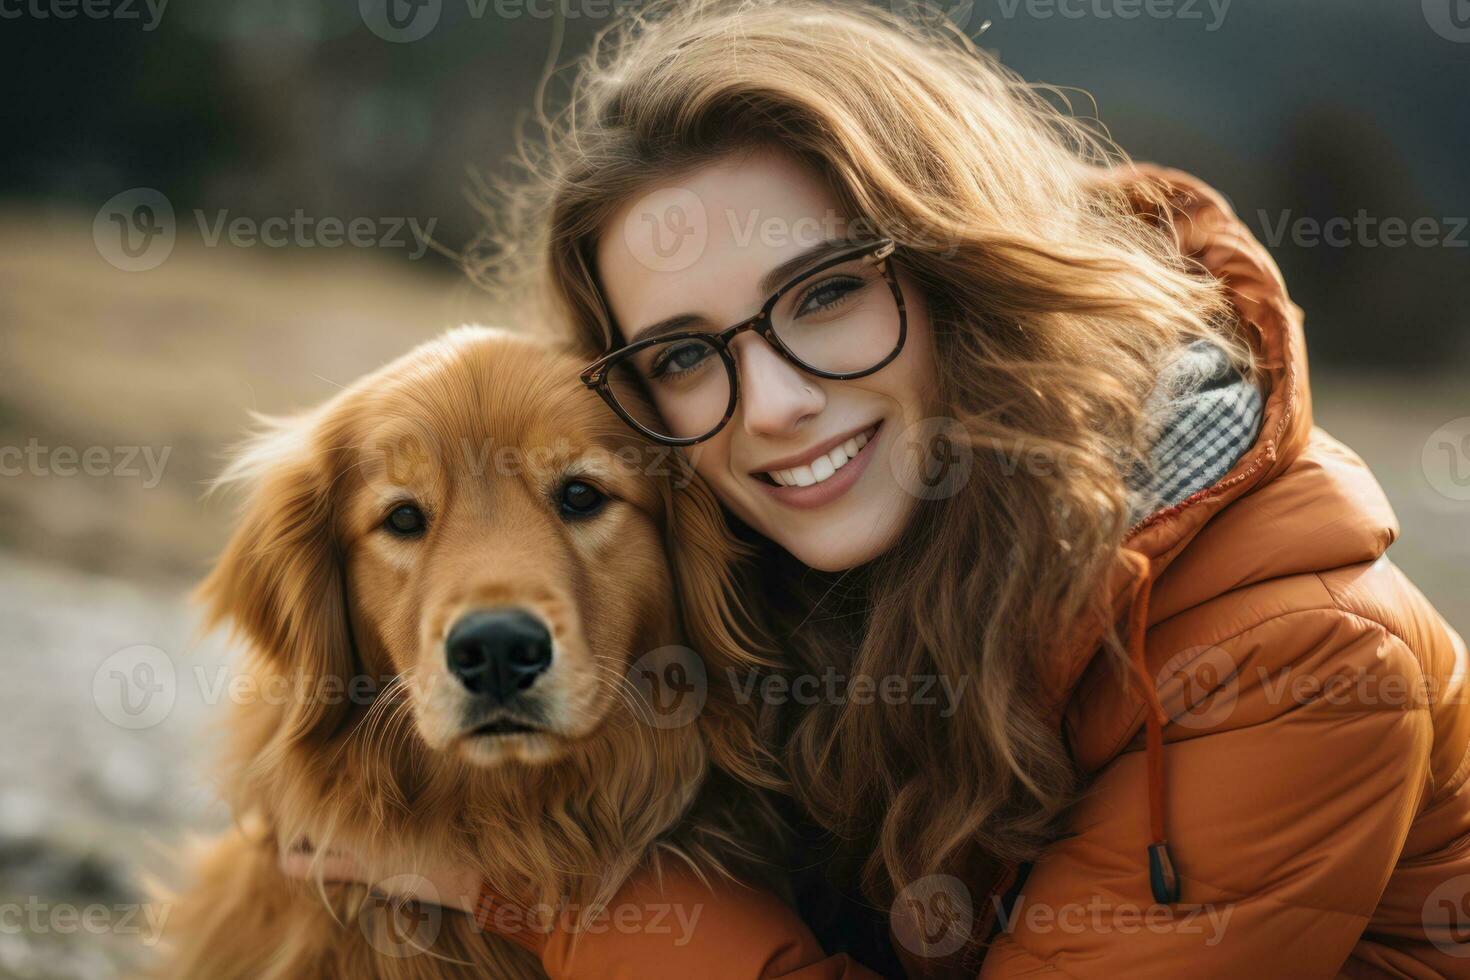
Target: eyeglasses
{"points": [[841, 319]]}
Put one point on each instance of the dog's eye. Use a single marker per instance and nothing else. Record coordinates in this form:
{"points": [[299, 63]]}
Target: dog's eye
{"points": [[581, 499], [406, 521]]}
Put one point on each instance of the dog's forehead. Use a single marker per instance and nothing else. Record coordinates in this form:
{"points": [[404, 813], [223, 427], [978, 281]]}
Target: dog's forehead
{"points": [[481, 390]]}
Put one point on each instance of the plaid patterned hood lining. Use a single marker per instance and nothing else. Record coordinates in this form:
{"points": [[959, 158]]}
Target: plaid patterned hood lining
{"points": [[1203, 415]]}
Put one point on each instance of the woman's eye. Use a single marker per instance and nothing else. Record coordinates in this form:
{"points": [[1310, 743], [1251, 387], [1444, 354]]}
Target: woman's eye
{"points": [[406, 521], [581, 499], [828, 294], [680, 358]]}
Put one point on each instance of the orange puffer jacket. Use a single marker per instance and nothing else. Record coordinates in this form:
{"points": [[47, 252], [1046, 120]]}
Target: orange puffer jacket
{"points": [[1283, 792]]}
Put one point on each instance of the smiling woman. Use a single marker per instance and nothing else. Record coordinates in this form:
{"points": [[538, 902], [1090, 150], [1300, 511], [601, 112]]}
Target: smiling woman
{"points": [[830, 347]]}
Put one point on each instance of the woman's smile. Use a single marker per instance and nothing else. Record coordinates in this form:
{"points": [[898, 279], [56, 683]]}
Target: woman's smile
{"points": [[828, 471]]}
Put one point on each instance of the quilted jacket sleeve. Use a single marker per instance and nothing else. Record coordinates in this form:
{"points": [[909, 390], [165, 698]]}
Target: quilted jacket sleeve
{"points": [[682, 928]]}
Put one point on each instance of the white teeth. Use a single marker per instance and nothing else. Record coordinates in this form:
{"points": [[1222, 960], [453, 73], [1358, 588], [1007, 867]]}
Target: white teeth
{"points": [[822, 467]]}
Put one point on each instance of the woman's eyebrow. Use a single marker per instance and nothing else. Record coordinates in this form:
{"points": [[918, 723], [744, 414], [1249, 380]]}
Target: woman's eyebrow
{"points": [[792, 267], [673, 324], [773, 280]]}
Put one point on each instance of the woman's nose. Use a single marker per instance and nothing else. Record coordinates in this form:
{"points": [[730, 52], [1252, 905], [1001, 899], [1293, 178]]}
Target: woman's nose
{"points": [[775, 395]]}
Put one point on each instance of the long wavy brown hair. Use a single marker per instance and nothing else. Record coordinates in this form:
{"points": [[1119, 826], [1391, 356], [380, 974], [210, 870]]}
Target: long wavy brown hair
{"points": [[1054, 300]]}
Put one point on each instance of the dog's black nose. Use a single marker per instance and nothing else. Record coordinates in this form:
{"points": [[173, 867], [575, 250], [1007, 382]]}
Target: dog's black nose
{"points": [[498, 653]]}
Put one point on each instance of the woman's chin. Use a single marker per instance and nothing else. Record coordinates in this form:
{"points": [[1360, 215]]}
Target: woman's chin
{"points": [[848, 541]]}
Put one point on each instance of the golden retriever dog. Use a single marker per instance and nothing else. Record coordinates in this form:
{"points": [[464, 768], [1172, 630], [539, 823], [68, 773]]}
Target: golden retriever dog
{"points": [[450, 576]]}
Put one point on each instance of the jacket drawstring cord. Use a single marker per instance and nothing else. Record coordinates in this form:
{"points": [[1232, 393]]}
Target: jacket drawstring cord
{"points": [[1163, 879]]}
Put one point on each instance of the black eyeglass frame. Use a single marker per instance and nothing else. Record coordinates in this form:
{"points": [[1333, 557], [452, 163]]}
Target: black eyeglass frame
{"points": [[597, 374]]}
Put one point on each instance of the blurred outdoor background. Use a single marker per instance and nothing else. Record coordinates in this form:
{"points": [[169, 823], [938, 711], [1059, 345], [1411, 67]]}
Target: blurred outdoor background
{"points": [[125, 370]]}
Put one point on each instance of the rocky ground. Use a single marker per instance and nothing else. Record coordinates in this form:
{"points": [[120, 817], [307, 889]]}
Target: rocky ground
{"points": [[92, 798]]}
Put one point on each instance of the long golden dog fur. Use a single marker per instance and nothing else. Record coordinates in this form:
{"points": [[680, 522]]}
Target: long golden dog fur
{"points": [[480, 426]]}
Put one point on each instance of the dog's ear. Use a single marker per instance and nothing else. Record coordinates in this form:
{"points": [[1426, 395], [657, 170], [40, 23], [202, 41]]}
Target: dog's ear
{"points": [[280, 581]]}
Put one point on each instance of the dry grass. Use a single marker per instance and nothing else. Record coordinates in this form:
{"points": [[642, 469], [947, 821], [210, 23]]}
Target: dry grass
{"points": [[176, 358]]}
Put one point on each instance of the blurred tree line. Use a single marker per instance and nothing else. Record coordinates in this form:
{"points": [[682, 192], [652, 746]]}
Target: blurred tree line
{"points": [[1298, 110]]}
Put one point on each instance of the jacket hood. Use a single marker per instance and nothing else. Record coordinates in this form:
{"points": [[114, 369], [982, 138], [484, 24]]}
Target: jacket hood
{"points": [[1202, 547]]}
